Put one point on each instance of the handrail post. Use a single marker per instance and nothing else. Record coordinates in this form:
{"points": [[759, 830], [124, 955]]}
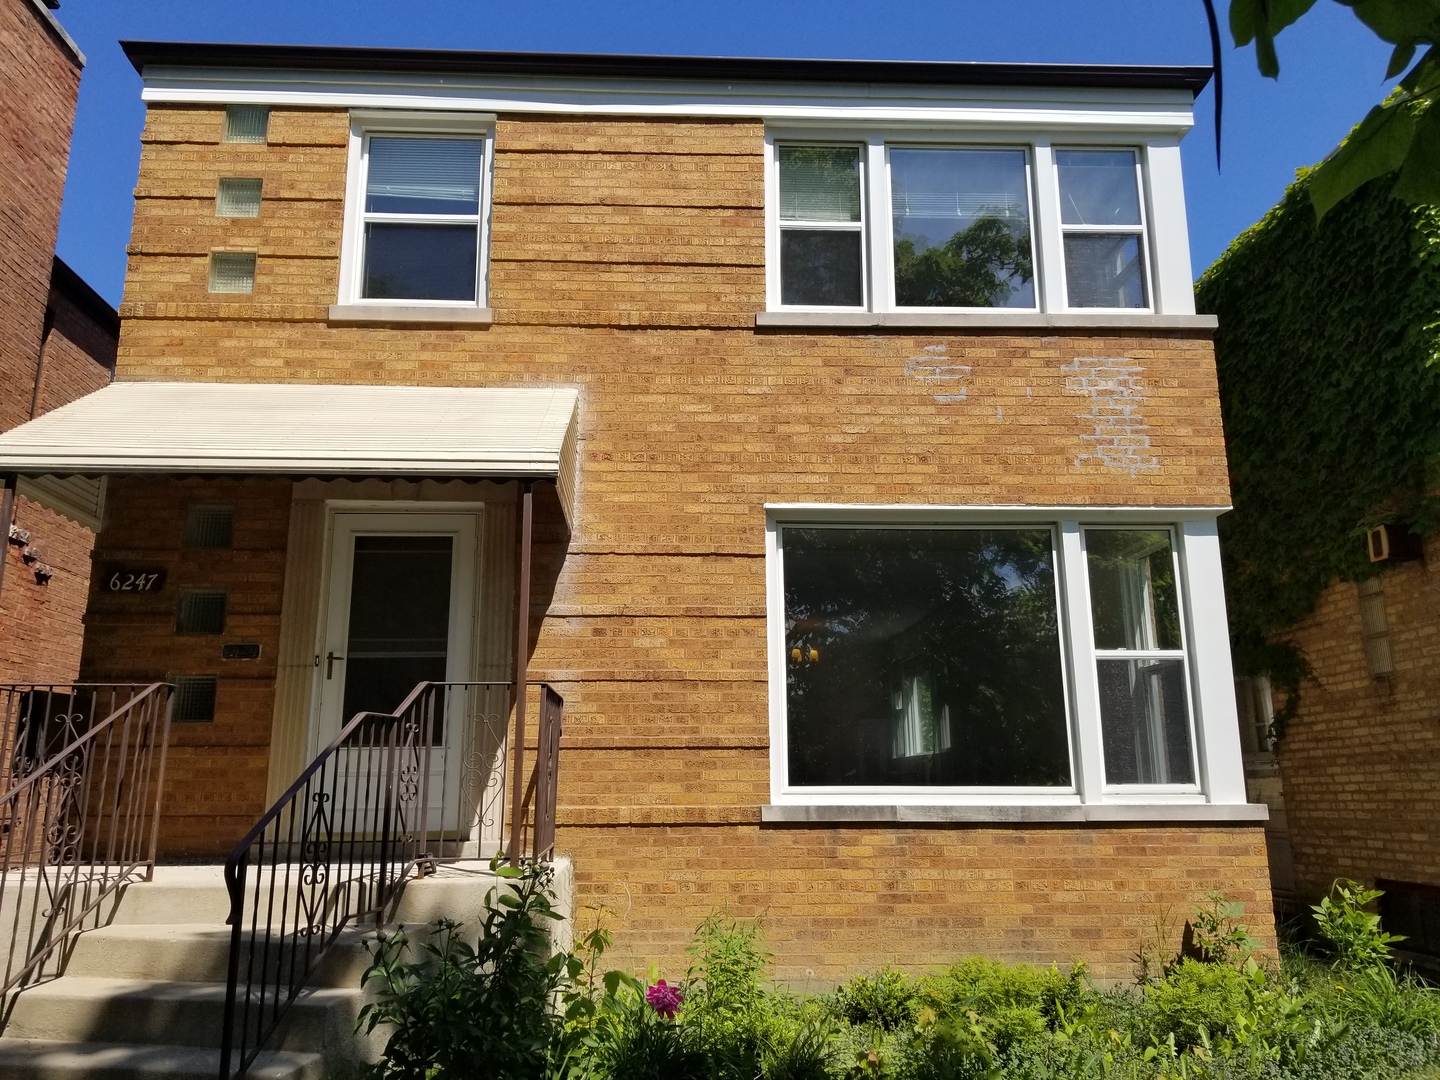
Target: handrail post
{"points": [[160, 783], [522, 668], [235, 884]]}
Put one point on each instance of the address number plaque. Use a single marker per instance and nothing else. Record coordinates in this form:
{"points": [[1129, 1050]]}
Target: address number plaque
{"points": [[132, 579]]}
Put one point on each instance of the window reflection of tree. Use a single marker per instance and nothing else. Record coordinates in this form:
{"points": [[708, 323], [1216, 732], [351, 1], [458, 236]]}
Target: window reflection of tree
{"points": [[979, 266], [966, 618]]}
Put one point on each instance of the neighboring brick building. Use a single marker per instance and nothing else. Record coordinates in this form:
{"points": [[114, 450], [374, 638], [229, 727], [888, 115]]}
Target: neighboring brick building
{"points": [[57, 341], [1332, 407], [679, 278]]}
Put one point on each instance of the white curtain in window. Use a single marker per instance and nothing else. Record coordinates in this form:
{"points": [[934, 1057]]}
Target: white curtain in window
{"points": [[447, 170]]}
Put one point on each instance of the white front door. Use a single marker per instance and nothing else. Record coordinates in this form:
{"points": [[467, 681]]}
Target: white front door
{"points": [[399, 611]]}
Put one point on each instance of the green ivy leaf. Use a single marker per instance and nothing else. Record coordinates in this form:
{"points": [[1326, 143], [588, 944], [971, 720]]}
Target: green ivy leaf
{"points": [[1400, 59], [1378, 145]]}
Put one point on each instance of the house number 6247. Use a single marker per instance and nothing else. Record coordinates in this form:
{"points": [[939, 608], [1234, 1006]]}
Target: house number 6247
{"points": [[134, 581]]}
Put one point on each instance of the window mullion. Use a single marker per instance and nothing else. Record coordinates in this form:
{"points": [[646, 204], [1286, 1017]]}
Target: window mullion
{"points": [[879, 246], [1085, 686]]}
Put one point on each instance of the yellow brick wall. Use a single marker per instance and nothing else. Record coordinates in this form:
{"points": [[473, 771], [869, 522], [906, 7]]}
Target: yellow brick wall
{"points": [[628, 261], [1360, 762]]}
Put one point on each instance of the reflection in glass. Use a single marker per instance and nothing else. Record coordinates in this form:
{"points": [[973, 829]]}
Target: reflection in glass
{"points": [[1133, 600], [1104, 270], [1144, 722], [923, 657], [419, 262], [423, 176], [821, 267], [819, 183], [399, 629], [1097, 187], [962, 228]]}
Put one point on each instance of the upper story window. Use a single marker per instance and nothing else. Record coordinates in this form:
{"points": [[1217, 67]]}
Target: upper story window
{"points": [[416, 217], [882, 224]]}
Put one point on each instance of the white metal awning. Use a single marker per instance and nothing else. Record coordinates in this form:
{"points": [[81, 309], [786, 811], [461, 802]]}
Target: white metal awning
{"points": [[302, 430]]}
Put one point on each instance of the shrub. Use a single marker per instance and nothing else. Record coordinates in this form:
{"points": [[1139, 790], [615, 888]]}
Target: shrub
{"points": [[887, 1000], [1352, 934], [1196, 1002], [1018, 1001], [477, 1011], [726, 1002]]}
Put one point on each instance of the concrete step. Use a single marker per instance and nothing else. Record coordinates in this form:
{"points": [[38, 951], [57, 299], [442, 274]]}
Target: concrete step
{"points": [[41, 1059], [198, 953], [96, 1009]]}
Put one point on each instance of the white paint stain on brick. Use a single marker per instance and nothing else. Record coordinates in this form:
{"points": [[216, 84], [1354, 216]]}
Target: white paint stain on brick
{"points": [[1120, 439], [946, 380]]}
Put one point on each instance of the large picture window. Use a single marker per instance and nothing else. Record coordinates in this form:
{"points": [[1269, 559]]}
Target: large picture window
{"points": [[926, 657], [1072, 661]]}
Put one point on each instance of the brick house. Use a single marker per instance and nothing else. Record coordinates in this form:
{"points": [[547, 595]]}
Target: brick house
{"points": [[1352, 776], [837, 439], [57, 342]]}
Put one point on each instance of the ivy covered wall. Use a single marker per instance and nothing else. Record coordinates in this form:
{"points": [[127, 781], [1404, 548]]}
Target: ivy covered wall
{"points": [[1328, 353]]}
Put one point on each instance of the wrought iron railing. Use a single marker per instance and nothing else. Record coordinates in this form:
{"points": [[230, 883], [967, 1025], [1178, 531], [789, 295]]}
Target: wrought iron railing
{"points": [[392, 792], [79, 814]]}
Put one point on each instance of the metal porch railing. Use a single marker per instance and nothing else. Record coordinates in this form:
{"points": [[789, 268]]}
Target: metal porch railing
{"points": [[79, 814], [392, 792]]}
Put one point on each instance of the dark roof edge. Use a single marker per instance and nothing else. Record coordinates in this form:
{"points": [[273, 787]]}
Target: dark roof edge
{"points": [[83, 296], [605, 65]]}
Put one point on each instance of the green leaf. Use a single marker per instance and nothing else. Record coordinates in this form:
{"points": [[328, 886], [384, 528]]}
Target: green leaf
{"points": [[1399, 21], [1400, 59], [1419, 182], [1378, 145], [1259, 21]]}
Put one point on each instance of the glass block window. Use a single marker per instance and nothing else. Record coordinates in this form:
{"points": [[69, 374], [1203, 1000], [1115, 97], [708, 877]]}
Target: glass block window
{"points": [[232, 272], [1375, 627], [208, 526], [194, 700], [238, 197], [201, 611], [246, 124]]}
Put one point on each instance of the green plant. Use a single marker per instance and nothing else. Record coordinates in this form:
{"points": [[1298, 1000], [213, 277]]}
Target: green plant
{"points": [[1376, 996], [886, 999], [1196, 1002], [1328, 341], [1353, 934], [477, 1011], [1016, 1001], [797, 1047], [725, 1001], [1215, 934]]}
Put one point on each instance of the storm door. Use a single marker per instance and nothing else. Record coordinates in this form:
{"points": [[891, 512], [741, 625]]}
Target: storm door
{"points": [[399, 612]]}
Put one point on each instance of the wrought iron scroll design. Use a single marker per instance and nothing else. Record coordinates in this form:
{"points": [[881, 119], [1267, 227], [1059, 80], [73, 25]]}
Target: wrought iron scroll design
{"points": [[390, 793], [80, 799]]}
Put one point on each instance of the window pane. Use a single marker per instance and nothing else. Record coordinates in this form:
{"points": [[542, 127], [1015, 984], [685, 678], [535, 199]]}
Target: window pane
{"points": [[1097, 187], [238, 197], [819, 183], [962, 228], [232, 272], [246, 123], [1104, 270], [399, 633], [419, 262], [821, 267], [1144, 722], [923, 656], [423, 176], [1133, 599]]}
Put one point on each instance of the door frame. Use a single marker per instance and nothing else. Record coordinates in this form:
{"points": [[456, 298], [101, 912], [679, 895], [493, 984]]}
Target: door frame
{"points": [[345, 519]]}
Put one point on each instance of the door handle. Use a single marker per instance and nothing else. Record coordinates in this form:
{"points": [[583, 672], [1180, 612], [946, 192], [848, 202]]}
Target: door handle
{"points": [[330, 659]]}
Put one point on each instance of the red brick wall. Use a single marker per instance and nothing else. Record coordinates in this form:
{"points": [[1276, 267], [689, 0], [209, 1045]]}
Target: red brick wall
{"points": [[40, 625], [38, 86], [1361, 760]]}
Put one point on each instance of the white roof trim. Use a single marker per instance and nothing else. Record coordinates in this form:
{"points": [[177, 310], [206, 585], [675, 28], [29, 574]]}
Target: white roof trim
{"points": [[302, 429], [979, 108]]}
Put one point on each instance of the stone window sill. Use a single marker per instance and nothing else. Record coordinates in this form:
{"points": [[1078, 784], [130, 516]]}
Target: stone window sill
{"points": [[405, 315], [1020, 320], [1150, 813]]}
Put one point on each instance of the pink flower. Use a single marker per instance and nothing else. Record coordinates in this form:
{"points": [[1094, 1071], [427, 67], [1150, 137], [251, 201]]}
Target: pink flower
{"points": [[665, 999]]}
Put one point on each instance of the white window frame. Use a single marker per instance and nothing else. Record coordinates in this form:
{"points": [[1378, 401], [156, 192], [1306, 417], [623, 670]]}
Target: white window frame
{"points": [[1165, 241], [1210, 681], [363, 125], [1182, 654], [1143, 231], [862, 226]]}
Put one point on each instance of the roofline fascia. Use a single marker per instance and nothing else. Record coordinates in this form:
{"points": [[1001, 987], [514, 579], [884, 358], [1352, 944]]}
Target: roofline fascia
{"points": [[605, 65]]}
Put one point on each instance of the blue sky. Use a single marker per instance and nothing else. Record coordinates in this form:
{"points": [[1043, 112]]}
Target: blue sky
{"points": [[1332, 71]]}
